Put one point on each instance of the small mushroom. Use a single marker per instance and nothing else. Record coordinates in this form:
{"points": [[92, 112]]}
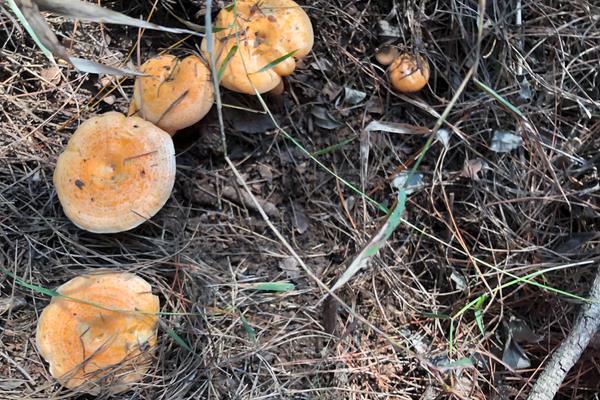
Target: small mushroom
{"points": [[407, 75], [98, 335], [386, 55], [174, 94], [115, 173], [253, 46]]}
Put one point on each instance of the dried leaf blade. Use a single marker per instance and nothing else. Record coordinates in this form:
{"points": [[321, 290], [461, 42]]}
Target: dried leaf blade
{"points": [[93, 13]]}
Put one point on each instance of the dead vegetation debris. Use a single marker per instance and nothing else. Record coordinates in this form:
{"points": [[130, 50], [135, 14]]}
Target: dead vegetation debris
{"points": [[480, 215]]}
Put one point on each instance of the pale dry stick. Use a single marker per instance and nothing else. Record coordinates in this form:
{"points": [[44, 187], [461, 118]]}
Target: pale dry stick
{"points": [[563, 359]]}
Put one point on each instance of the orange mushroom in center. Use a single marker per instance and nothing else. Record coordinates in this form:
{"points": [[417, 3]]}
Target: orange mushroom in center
{"points": [[409, 74]]}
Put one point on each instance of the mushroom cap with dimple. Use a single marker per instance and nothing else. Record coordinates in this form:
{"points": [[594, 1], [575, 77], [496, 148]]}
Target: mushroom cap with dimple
{"points": [[250, 45], [115, 173], [407, 75], [99, 333], [174, 93]]}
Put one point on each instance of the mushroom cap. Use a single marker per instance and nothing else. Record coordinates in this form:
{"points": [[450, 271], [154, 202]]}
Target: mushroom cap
{"points": [[267, 30], [386, 55], [407, 75], [175, 93], [115, 173], [100, 337]]}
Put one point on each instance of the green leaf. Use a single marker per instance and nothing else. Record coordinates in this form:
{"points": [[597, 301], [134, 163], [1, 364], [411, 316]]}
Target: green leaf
{"points": [[274, 286], [228, 57], [179, 340], [276, 61]]}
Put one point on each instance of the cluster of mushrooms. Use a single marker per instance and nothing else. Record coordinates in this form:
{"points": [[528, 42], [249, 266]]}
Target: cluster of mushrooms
{"points": [[118, 171]]}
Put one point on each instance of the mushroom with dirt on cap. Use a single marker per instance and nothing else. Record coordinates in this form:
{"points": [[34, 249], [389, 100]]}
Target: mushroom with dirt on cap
{"points": [[115, 173], [409, 74], [173, 94], [99, 331], [258, 42]]}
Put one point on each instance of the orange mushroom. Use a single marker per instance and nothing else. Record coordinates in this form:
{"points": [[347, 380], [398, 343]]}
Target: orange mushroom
{"points": [[98, 334], [407, 75], [115, 173], [174, 94], [386, 55], [259, 41]]}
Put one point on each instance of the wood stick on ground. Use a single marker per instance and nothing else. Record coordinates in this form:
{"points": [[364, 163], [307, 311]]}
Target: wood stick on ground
{"points": [[570, 350]]}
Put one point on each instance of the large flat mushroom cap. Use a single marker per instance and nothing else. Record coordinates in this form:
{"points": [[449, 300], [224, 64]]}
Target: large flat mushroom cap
{"points": [[175, 93], [115, 173], [103, 342], [264, 31]]}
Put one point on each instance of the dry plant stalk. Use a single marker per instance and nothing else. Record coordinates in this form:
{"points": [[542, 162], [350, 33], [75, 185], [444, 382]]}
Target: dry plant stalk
{"points": [[570, 350]]}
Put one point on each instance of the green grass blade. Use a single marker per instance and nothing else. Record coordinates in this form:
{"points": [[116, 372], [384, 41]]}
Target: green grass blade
{"points": [[276, 61], [249, 330], [478, 317], [460, 363], [334, 147], [451, 337], [289, 137], [496, 96], [35, 288], [13, 6], [274, 286], [479, 321], [226, 61], [179, 340], [376, 243]]}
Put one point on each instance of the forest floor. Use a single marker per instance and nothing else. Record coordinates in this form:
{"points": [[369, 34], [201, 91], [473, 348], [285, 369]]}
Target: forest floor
{"points": [[509, 188]]}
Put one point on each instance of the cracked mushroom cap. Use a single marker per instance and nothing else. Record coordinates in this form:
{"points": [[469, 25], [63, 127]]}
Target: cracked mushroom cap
{"points": [[175, 93], [115, 173], [407, 75], [263, 32], [103, 342]]}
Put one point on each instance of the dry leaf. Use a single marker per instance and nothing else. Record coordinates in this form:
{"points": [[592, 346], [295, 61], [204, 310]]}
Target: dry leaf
{"points": [[51, 75], [472, 169]]}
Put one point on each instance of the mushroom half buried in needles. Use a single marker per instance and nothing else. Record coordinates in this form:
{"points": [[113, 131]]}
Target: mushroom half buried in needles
{"points": [[407, 74], [115, 173], [174, 94], [386, 55], [98, 334], [257, 42]]}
